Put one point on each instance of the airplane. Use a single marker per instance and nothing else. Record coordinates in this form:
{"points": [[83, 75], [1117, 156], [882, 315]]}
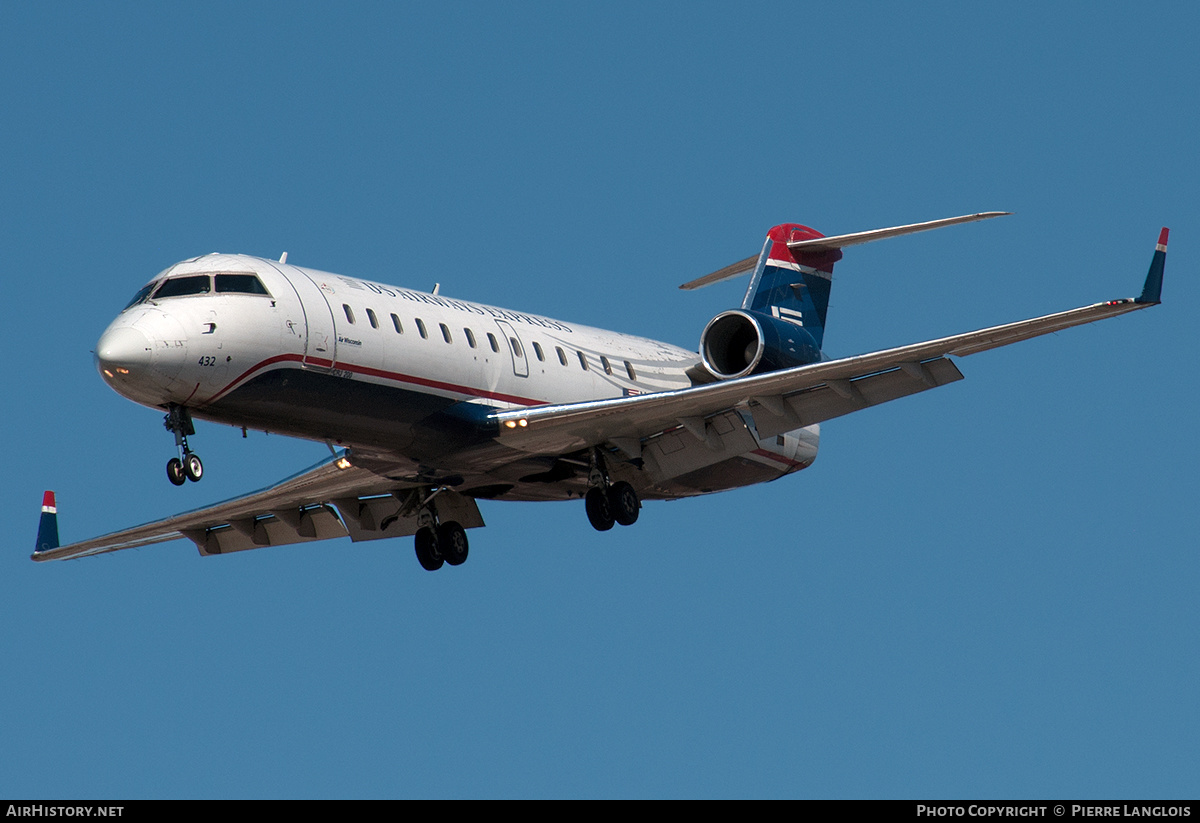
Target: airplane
{"points": [[429, 403]]}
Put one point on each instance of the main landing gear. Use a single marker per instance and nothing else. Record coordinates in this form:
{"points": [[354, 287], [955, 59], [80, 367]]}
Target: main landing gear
{"points": [[437, 543], [608, 503], [187, 466]]}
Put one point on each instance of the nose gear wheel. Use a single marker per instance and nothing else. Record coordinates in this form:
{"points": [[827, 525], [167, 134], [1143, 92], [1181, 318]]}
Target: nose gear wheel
{"points": [[187, 466]]}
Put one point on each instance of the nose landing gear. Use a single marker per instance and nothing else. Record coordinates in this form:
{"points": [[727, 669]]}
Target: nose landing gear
{"points": [[187, 466]]}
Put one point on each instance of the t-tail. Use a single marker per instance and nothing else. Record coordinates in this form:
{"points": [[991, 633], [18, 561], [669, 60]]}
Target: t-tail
{"points": [[781, 322]]}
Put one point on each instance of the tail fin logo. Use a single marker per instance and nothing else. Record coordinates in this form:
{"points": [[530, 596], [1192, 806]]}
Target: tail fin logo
{"points": [[790, 315]]}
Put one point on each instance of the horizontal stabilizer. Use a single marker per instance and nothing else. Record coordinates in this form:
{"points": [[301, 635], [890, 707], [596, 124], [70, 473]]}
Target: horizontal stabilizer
{"points": [[841, 241], [730, 271]]}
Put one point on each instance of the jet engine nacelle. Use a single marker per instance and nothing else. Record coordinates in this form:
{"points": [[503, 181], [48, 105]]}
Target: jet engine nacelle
{"points": [[739, 342]]}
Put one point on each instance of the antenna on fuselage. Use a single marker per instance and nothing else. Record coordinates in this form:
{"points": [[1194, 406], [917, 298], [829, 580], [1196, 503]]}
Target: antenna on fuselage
{"points": [[283, 257], [436, 286]]}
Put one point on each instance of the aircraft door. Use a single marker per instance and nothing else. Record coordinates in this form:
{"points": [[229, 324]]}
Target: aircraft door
{"points": [[515, 347], [320, 341]]}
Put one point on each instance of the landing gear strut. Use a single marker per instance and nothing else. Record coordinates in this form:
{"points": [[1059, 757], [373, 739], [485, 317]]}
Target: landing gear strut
{"points": [[187, 466], [437, 543], [608, 503]]}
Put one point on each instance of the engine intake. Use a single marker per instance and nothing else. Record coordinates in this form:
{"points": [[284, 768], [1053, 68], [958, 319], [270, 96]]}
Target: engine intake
{"points": [[738, 343]]}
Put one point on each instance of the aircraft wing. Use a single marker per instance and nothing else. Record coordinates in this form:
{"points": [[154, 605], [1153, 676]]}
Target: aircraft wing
{"points": [[330, 499], [788, 399]]}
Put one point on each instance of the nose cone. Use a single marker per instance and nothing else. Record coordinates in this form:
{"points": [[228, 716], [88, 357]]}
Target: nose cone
{"points": [[123, 353], [140, 357]]}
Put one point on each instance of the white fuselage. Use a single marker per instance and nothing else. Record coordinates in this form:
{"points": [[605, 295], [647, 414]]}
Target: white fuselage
{"points": [[405, 377]]}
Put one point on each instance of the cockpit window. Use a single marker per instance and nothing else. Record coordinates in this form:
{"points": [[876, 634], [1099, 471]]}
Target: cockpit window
{"points": [[182, 286], [141, 296], [240, 283]]}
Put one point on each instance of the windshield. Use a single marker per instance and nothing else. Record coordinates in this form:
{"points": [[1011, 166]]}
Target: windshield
{"points": [[239, 284], [181, 286], [140, 297]]}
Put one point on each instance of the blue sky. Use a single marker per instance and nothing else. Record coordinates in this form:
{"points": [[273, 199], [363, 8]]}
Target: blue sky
{"points": [[984, 591]]}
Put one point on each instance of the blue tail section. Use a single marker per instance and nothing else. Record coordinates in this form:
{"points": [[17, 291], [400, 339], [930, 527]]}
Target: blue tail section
{"points": [[48, 528], [793, 287]]}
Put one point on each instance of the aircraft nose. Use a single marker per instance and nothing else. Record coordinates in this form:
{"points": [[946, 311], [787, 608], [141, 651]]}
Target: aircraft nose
{"points": [[123, 351]]}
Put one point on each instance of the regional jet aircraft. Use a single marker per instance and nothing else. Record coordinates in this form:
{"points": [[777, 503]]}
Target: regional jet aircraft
{"points": [[429, 403]]}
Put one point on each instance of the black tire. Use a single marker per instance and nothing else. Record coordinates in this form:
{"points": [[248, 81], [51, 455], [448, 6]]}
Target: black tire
{"points": [[175, 471], [623, 502], [193, 468], [599, 510], [427, 550], [452, 543]]}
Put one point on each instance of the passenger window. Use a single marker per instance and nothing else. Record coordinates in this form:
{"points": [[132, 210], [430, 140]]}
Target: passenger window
{"points": [[492, 340], [537, 349], [445, 332], [396, 323], [582, 360], [516, 344], [562, 355], [470, 337], [374, 320], [349, 312], [421, 329], [604, 362], [240, 284], [183, 286], [629, 370]]}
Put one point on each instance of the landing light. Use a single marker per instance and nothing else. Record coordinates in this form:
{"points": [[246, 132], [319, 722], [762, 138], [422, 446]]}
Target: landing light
{"points": [[108, 373], [122, 371], [512, 424], [343, 463]]}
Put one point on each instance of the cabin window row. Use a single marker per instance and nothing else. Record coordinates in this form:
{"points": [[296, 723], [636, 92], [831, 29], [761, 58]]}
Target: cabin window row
{"points": [[493, 343]]}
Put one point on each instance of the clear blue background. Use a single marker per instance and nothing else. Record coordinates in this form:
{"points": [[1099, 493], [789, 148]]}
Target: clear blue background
{"points": [[984, 591]]}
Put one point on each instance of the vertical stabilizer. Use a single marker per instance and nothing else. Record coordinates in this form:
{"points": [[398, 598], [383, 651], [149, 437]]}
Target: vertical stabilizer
{"points": [[793, 285]]}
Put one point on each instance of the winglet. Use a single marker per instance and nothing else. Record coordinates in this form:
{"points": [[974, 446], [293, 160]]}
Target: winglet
{"points": [[47, 537], [1152, 291]]}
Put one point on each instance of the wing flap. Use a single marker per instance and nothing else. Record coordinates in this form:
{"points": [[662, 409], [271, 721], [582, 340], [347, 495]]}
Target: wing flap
{"points": [[837, 398], [314, 523], [376, 518]]}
